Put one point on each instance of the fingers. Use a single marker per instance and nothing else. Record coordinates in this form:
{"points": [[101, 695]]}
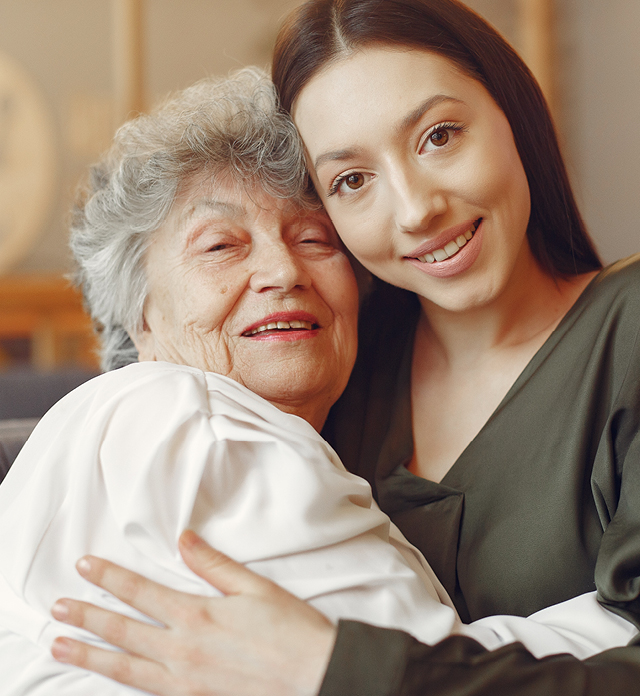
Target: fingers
{"points": [[225, 574], [139, 638], [122, 667], [151, 598]]}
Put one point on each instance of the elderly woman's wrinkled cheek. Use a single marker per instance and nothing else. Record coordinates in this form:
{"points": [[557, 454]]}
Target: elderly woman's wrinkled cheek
{"points": [[211, 350]]}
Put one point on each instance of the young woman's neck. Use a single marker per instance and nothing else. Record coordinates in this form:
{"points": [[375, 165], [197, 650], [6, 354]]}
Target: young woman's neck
{"points": [[527, 311]]}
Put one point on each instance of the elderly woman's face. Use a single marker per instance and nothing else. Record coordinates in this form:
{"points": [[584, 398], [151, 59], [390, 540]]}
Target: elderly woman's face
{"points": [[256, 289]]}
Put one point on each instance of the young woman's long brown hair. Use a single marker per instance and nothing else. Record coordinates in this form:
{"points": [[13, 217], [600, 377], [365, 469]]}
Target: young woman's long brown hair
{"points": [[322, 31]]}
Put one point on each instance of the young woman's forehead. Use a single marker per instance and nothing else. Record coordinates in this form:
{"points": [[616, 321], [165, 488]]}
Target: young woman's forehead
{"points": [[380, 89], [380, 67]]}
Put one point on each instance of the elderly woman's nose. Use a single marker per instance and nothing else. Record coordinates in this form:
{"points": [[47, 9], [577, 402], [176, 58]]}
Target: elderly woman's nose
{"points": [[277, 267]]}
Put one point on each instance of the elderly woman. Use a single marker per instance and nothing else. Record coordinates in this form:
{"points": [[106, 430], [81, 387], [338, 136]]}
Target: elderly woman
{"points": [[199, 259], [230, 307]]}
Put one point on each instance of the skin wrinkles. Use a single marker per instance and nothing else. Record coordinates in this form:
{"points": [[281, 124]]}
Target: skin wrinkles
{"points": [[221, 263]]}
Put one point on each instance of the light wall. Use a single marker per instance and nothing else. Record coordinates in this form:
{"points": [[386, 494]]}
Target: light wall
{"points": [[65, 45], [598, 109]]}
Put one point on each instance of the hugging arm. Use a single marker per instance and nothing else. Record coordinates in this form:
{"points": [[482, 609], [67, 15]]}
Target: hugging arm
{"points": [[257, 640], [261, 640]]}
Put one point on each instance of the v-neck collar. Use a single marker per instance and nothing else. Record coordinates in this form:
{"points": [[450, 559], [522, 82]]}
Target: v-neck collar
{"points": [[397, 448]]}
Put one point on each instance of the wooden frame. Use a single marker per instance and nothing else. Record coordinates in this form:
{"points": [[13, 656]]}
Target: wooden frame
{"points": [[537, 36], [128, 59]]}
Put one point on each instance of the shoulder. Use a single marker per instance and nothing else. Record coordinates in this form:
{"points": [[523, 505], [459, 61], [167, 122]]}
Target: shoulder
{"points": [[611, 303], [152, 388], [606, 320], [146, 378], [620, 280]]}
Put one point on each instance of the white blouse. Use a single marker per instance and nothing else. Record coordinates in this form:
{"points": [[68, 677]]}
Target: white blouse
{"points": [[123, 464]]}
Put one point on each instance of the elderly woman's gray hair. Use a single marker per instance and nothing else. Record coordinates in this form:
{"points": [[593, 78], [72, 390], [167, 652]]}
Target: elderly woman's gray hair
{"points": [[227, 126]]}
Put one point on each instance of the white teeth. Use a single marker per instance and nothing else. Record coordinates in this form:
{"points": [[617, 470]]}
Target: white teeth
{"points": [[295, 324], [450, 249]]}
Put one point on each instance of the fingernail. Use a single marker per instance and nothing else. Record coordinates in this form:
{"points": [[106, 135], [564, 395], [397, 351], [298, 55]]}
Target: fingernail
{"points": [[61, 649], [60, 611], [189, 538], [83, 566]]}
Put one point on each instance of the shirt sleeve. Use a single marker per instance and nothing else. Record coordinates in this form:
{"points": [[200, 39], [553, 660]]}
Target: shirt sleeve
{"points": [[371, 661], [616, 487]]}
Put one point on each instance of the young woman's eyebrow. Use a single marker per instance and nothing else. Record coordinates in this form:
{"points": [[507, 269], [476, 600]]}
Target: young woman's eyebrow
{"points": [[336, 156], [414, 116], [407, 122]]}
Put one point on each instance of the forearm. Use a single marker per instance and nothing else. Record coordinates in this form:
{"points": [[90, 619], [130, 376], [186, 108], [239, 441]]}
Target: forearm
{"points": [[369, 661]]}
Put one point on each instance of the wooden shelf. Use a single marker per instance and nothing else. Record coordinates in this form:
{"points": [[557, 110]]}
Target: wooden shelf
{"points": [[47, 311]]}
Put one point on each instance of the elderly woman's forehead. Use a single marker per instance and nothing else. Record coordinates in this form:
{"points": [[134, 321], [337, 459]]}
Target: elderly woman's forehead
{"points": [[225, 198]]}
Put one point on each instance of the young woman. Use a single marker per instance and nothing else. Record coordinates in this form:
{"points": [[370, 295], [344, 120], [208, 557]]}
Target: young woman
{"points": [[495, 405]]}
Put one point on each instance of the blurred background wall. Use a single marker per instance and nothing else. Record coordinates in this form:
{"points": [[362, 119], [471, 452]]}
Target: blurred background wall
{"points": [[66, 48], [595, 59], [58, 110]]}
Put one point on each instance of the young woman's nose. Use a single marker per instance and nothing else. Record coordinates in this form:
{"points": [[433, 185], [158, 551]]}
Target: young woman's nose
{"points": [[416, 200], [277, 267]]}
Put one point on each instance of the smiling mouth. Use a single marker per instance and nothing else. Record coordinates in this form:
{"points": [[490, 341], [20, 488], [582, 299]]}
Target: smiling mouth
{"points": [[281, 326], [452, 248]]}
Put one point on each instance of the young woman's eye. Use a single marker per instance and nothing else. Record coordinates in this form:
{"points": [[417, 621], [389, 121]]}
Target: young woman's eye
{"points": [[352, 182], [441, 135]]}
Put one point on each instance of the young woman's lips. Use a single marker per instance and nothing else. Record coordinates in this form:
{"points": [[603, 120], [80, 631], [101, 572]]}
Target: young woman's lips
{"points": [[457, 260], [283, 326]]}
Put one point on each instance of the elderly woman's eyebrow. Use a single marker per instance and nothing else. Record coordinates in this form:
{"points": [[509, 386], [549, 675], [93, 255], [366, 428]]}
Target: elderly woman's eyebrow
{"points": [[207, 206], [223, 208]]}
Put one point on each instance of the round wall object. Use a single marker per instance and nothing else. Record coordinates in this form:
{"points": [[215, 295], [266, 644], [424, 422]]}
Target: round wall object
{"points": [[27, 163]]}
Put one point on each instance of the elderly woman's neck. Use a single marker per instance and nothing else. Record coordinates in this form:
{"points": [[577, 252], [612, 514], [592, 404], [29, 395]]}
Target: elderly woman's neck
{"points": [[314, 413]]}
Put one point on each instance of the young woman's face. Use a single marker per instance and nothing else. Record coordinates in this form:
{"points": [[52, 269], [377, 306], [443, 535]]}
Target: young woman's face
{"points": [[418, 170]]}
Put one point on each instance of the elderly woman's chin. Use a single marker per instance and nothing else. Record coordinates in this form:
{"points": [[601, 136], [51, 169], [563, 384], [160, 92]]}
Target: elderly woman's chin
{"points": [[255, 288]]}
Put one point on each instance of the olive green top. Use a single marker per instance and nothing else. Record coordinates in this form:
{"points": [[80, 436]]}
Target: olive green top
{"points": [[543, 505]]}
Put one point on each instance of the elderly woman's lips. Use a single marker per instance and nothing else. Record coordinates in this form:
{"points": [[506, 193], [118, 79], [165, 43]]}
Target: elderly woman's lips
{"points": [[281, 326], [282, 322]]}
